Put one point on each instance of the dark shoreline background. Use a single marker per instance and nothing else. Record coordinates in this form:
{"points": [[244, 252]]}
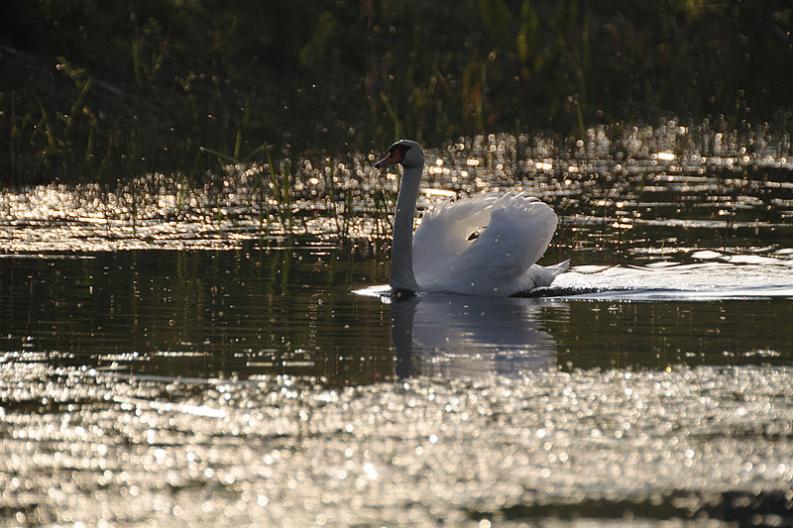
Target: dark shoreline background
{"points": [[105, 91]]}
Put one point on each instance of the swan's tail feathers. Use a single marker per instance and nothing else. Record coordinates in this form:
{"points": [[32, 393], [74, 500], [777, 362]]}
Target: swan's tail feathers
{"points": [[545, 275], [557, 269]]}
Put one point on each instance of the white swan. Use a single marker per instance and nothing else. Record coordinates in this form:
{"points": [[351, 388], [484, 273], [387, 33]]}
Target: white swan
{"points": [[451, 252]]}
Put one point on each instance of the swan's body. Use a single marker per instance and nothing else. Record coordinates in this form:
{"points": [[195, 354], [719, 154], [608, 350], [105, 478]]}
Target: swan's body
{"points": [[510, 233], [500, 261]]}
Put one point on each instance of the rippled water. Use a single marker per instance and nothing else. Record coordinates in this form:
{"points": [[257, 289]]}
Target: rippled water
{"points": [[616, 446], [179, 367]]}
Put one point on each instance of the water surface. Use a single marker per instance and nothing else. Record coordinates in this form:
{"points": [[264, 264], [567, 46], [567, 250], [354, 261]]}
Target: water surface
{"points": [[179, 369]]}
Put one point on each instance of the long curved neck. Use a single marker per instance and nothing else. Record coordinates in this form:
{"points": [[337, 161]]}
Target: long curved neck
{"points": [[402, 246]]}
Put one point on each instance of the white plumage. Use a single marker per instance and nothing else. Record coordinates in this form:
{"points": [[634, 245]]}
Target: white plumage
{"points": [[484, 245], [513, 229]]}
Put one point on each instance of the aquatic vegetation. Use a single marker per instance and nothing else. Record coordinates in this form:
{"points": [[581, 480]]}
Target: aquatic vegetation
{"points": [[618, 179]]}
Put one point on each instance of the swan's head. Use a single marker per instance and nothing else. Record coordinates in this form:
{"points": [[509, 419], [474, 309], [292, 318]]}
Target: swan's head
{"points": [[404, 151]]}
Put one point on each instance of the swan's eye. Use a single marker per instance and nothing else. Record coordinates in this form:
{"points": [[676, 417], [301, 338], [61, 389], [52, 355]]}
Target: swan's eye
{"points": [[399, 147], [476, 233]]}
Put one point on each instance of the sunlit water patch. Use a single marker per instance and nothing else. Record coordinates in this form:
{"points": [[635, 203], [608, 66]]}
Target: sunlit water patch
{"points": [[556, 448], [741, 277]]}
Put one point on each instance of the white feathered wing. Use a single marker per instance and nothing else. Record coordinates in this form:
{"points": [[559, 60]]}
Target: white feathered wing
{"points": [[500, 260]]}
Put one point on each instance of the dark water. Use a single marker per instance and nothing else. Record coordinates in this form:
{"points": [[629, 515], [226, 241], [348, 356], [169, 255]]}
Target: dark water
{"points": [[144, 383], [291, 310]]}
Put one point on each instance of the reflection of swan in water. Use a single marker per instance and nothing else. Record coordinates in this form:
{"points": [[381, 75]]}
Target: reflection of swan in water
{"points": [[484, 245], [466, 336]]}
